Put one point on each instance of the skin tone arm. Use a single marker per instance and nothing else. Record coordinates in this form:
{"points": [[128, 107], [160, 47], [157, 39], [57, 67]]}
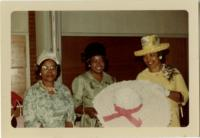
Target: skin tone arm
{"points": [[176, 96], [68, 124], [87, 110]]}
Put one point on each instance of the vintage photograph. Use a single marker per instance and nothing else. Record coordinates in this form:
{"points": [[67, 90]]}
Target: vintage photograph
{"points": [[99, 68], [95, 68]]}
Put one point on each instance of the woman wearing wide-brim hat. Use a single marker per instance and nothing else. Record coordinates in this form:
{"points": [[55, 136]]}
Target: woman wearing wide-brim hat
{"points": [[165, 75]]}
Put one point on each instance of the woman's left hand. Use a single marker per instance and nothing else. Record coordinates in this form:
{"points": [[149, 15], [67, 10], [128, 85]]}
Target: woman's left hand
{"points": [[176, 96], [90, 111]]}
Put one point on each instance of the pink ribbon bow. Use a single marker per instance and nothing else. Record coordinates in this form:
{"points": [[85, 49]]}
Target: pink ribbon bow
{"points": [[126, 113]]}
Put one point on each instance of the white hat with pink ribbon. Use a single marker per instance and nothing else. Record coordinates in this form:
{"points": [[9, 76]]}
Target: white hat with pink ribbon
{"points": [[133, 103]]}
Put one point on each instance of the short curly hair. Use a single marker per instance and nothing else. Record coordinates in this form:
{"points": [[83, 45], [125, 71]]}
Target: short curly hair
{"points": [[93, 49]]}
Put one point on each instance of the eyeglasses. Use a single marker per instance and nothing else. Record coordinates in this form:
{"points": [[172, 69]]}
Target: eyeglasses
{"points": [[46, 68]]}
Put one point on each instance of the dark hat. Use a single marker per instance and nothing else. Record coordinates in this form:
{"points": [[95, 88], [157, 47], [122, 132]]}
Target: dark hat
{"points": [[93, 49]]}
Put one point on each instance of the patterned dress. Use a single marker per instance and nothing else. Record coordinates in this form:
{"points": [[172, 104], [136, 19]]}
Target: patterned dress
{"points": [[171, 79], [85, 87], [44, 110]]}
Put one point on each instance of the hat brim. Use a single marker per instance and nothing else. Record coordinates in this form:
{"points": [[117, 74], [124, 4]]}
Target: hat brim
{"points": [[47, 58], [161, 47], [154, 113]]}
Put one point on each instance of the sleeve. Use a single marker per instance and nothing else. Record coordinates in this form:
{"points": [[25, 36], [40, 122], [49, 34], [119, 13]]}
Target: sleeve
{"points": [[29, 110], [181, 86], [139, 77], [77, 90], [70, 117]]}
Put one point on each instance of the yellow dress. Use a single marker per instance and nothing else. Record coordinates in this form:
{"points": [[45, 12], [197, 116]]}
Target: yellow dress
{"points": [[177, 83]]}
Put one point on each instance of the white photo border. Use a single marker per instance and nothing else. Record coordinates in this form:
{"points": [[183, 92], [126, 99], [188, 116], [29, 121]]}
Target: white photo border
{"points": [[191, 6]]}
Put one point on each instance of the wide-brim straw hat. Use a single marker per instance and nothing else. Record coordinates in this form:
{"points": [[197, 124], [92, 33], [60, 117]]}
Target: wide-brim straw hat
{"points": [[47, 55], [134, 103], [151, 44]]}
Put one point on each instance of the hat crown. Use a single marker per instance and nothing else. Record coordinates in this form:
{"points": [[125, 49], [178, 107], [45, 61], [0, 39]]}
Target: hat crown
{"points": [[150, 41], [151, 44], [152, 106], [47, 55], [127, 98]]}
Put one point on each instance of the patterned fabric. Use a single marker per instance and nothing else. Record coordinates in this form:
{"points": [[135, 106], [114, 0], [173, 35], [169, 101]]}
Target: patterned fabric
{"points": [[44, 110], [85, 87], [171, 79], [169, 72]]}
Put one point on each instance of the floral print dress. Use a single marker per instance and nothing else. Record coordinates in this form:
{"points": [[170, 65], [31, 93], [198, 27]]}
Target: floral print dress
{"points": [[44, 110]]}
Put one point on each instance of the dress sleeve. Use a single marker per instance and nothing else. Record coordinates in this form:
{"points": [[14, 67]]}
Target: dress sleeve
{"points": [[70, 117], [77, 90], [138, 77], [181, 86], [29, 110]]}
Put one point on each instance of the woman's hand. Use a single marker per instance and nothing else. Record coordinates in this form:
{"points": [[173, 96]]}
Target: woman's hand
{"points": [[176, 96], [68, 124], [87, 110], [79, 109], [90, 111]]}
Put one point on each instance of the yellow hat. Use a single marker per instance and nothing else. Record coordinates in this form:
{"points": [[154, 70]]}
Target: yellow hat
{"points": [[151, 44]]}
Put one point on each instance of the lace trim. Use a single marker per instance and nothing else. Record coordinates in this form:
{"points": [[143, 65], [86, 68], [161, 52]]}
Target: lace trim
{"points": [[169, 72]]}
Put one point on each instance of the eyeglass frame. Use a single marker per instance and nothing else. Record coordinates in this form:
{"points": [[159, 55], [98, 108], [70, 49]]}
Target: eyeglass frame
{"points": [[47, 68]]}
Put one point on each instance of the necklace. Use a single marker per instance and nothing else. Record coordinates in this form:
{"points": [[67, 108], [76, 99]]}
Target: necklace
{"points": [[50, 90]]}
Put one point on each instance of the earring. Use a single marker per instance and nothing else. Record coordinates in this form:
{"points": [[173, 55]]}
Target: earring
{"points": [[160, 57], [89, 65], [40, 74]]}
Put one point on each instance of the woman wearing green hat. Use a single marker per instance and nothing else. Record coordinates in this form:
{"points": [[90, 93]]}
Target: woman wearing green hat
{"points": [[165, 75]]}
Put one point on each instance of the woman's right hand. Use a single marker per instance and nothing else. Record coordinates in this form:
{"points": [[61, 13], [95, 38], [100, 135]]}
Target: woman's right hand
{"points": [[79, 109], [68, 124], [90, 111], [176, 96]]}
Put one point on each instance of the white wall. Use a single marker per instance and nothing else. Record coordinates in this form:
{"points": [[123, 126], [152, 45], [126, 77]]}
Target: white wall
{"points": [[128, 23], [105, 23]]}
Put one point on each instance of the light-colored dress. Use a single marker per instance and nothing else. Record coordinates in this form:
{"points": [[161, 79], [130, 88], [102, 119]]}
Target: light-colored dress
{"points": [[176, 83], [85, 87], [41, 109]]}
